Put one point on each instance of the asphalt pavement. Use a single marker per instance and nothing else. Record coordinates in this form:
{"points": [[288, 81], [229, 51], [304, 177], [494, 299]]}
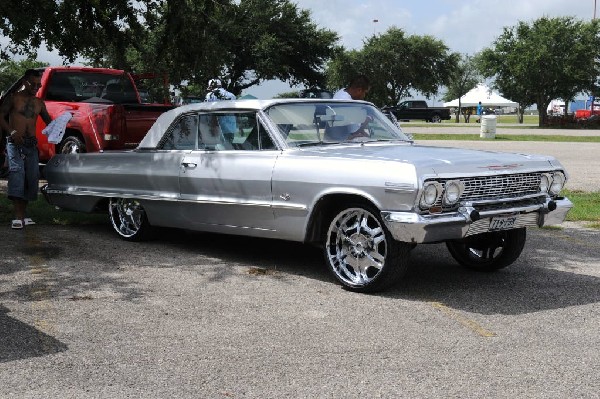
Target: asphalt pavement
{"points": [[84, 314]]}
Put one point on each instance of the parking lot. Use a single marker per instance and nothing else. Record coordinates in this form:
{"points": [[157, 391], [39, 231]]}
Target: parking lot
{"points": [[189, 315]]}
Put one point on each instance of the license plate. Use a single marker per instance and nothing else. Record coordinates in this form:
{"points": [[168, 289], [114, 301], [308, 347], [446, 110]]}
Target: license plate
{"points": [[502, 222]]}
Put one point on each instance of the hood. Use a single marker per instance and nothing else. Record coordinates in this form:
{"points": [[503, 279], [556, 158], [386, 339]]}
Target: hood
{"points": [[441, 160]]}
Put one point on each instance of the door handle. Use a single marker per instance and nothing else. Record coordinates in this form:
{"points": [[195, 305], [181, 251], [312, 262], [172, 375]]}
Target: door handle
{"points": [[189, 165]]}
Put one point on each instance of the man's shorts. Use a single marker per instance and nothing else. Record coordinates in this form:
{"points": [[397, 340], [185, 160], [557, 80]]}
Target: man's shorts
{"points": [[24, 172]]}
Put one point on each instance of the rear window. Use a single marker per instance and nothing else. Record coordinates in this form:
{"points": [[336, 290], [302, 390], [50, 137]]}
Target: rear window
{"points": [[90, 87]]}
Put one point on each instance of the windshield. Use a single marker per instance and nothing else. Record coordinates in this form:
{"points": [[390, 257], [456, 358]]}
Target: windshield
{"points": [[311, 123]]}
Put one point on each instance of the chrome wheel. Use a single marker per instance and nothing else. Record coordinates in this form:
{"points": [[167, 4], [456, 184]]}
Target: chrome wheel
{"points": [[128, 218], [360, 251], [72, 145], [436, 119]]}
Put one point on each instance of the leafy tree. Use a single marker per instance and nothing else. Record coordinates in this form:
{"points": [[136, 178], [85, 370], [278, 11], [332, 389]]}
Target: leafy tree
{"points": [[397, 65], [73, 27], [463, 78], [11, 71], [547, 59], [244, 42]]}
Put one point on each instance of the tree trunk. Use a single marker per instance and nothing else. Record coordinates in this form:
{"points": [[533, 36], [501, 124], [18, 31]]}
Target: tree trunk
{"points": [[520, 113]]}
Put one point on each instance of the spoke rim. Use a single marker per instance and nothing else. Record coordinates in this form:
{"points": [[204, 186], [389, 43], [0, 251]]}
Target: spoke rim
{"points": [[357, 246], [126, 216]]}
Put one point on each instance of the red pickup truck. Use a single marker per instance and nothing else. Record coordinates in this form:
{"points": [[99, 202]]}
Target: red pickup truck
{"points": [[106, 107]]}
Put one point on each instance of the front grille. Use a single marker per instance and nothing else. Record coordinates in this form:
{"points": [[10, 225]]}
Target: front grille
{"points": [[496, 187], [492, 187]]}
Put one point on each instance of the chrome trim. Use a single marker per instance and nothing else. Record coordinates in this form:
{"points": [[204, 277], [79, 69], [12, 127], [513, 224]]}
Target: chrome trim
{"points": [[415, 228], [72, 192]]}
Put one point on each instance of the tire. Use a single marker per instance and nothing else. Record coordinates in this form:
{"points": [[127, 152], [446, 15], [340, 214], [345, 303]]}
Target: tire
{"points": [[360, 251], [71, 145], [129, 219], [488, 252], [436, 118]]}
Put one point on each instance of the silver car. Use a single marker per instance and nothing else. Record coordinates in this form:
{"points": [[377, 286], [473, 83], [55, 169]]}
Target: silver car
{"points": [[337, 174]]}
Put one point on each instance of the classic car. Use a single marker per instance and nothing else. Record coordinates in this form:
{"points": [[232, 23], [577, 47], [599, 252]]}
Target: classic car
{"points": [[334, 173]]}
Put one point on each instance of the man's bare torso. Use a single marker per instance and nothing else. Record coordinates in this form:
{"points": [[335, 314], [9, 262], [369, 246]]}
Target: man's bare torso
{"points": [[24, 112]]}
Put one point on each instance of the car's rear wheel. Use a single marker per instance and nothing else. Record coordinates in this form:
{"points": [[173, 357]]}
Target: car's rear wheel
{"points": [[129, 219], [436, 118], [71, 145], [489, 251], [360, 251]]}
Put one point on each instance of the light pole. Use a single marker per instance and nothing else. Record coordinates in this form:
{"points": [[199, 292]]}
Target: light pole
{"points": [[374, 25]]}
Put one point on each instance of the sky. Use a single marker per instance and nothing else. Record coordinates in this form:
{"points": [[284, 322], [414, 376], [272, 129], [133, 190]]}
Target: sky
{"points": [[465, 26]]}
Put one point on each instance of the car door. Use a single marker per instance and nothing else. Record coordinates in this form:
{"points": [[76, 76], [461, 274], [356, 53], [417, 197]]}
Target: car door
{"points": [[226, 183]]}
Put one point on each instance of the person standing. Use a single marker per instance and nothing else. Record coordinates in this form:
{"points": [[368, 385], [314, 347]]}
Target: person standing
{"points": [[216, 92], [18, 117], [479, 111], [227, 123], [356, 90]]}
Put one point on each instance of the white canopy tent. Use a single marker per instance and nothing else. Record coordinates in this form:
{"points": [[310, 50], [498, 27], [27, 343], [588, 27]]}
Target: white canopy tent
{"points": [[487, 96]]}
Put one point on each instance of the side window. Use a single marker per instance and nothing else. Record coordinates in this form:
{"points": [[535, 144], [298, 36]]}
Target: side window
{"points": [[264, 139], [232, 131], [182, 135]]}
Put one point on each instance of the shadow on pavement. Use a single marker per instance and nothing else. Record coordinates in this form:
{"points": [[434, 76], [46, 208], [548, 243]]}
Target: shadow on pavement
{"points": [[21, 341]]}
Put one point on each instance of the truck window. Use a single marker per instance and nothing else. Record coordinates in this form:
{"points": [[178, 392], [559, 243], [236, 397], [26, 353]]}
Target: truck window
{"points": [[81, 86]]}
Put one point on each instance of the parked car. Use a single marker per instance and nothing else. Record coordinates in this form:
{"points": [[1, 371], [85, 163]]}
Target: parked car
{"points": [[418, 109], [337, 174]]}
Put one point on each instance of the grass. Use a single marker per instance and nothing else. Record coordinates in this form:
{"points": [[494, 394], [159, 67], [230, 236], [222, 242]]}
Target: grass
{"points": [[507, 137], [586, 208], [44, 213]]}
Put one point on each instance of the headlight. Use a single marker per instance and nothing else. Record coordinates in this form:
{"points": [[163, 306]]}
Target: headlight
{"points": [[430, 195], [452, 192], [558, 181], [544, 183]]}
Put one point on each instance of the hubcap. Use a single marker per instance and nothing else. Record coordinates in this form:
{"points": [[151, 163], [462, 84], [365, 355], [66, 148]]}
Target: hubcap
{"points": [[356, 246], [126, 216]]}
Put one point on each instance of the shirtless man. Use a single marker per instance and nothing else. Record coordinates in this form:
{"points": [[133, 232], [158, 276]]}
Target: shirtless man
{"points": [[18, 117]]}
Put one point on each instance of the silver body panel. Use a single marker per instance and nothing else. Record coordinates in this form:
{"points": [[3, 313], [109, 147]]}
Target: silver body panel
{"points": [[274, 192]]}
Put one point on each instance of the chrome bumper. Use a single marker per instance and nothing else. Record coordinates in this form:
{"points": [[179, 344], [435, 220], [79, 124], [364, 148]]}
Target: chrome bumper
{"points": [[415, 228]]}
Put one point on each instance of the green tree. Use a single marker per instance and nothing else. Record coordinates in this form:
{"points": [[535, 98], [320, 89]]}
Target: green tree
{"points": [[534, 63], [11, 71], [73, 27], [464, 77], [397, 66], [243, 42]]}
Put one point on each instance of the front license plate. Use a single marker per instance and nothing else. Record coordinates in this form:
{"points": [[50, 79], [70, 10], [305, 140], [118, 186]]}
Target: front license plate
{"points": [[502, 222]]}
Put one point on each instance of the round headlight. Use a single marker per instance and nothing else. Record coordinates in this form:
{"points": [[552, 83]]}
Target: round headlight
{"points": [[451, 192], [430, 195], [544, 184], [558, 181]]}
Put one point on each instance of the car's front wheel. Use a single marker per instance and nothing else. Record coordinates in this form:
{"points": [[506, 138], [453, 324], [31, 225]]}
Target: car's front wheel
{"points": [[489, 251], [360, 251], [129, 219]]}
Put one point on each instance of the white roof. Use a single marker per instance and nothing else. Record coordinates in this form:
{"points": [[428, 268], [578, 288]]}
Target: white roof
{"points": [[487, 96], [165, 120]]}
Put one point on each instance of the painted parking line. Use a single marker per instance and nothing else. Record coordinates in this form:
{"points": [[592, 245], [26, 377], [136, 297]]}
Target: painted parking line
{"points": [[470, 324]]}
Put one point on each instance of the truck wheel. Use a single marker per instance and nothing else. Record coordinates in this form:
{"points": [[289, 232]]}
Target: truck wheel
{"points": [[488, 252], [71, 145], [435, 118], [360, 251], [129, 219]]}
